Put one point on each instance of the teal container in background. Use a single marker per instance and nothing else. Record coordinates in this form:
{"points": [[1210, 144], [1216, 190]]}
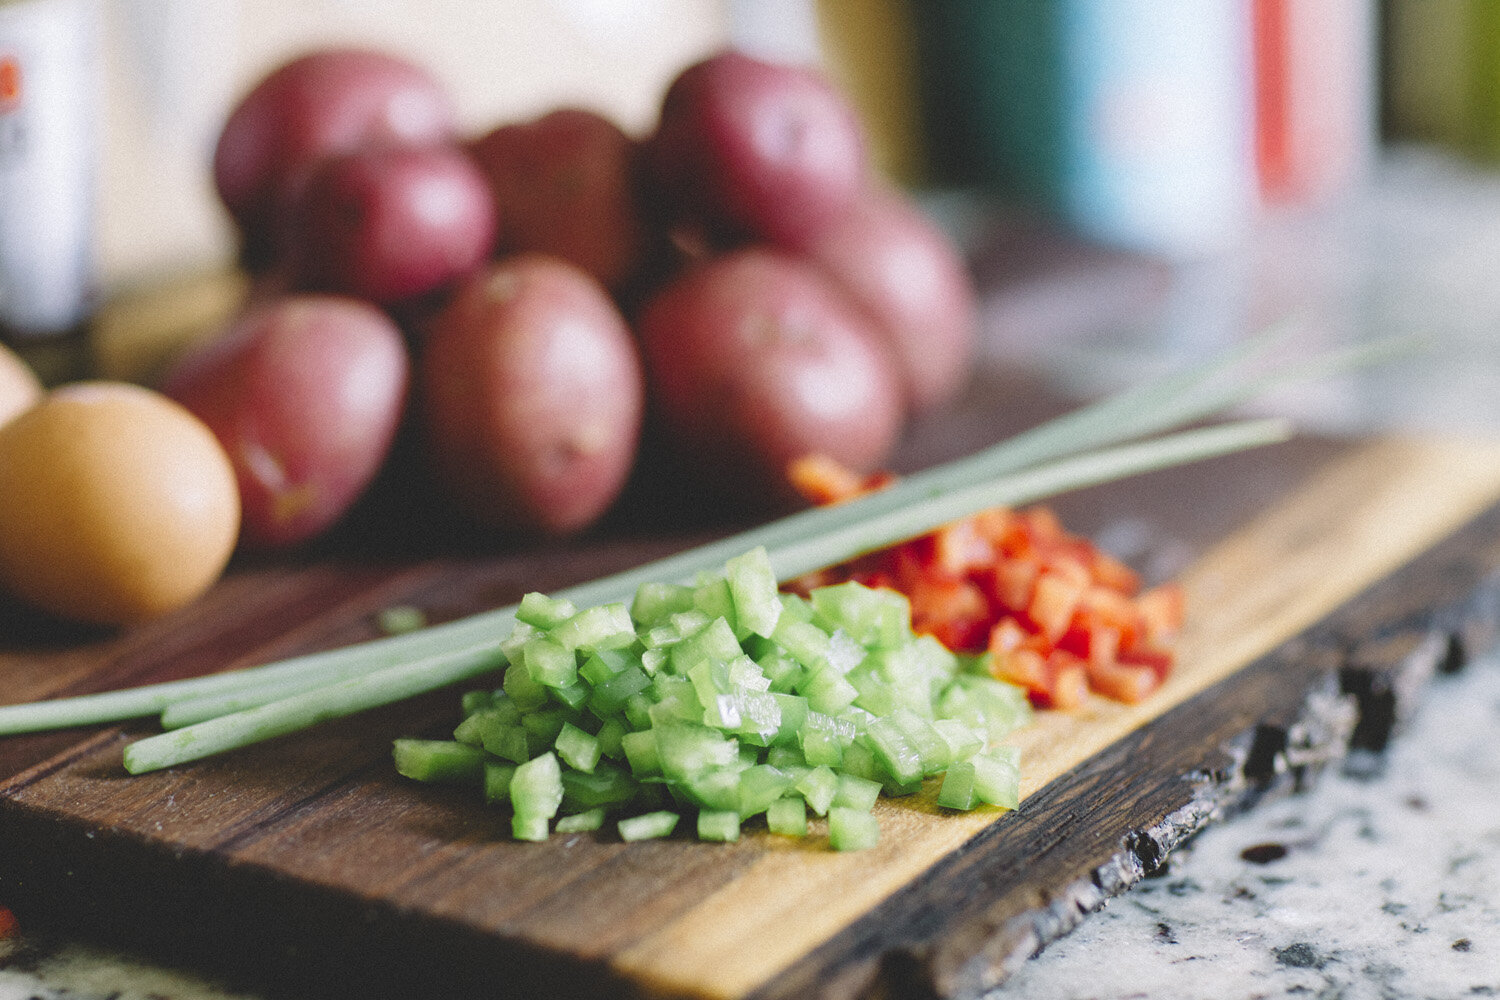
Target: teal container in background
{"points": [[1132, 120], [990, 78]]}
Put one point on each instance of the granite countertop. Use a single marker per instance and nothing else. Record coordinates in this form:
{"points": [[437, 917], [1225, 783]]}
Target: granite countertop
{"points": [[1381, 882]]}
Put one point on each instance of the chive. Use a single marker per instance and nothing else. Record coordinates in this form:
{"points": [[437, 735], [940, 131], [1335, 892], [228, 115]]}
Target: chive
{"points": [[191, 710], [858, 535], [284, 676], [298, 711]]}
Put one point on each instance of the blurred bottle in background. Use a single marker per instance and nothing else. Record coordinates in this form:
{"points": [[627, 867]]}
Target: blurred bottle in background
{"points": [[870, 49], [1315, 97], [48, 154], [1441, 63], [1161, 126], [1424, 68], [1129, 118]]}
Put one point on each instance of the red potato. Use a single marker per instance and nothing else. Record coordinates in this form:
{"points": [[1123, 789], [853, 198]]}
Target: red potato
{"points": [[767, 150], [908, 277], [19, 386], [755, 359], [564, 185], [391, 224], [305, 394], [532, 396], [322, 104]]}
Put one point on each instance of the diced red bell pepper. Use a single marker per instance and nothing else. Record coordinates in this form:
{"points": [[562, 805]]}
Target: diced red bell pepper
{"points": [[954, 612], [1157, 659], [1095, 643], [1012, 581], [960, 549], [1053, 601], [1024, 668], [1043, 524], [1162, 609], [1067, 681], [1052, 612], [824, 481], [1125, 682], [1111, 573]]}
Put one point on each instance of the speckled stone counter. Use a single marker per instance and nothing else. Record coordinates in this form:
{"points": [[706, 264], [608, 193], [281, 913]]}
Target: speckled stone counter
{"points": [[1381, 886]]}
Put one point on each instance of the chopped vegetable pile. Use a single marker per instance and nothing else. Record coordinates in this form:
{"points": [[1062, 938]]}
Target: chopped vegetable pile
{"points": [[730, 700], [1051, 611]]}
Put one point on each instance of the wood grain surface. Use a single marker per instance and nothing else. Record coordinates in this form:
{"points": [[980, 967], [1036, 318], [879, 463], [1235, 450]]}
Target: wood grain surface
{"points": [[1325, 578]]}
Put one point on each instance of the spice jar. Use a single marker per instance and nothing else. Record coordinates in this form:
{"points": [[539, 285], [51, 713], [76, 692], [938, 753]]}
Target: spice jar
{"points": [[49, 140]]}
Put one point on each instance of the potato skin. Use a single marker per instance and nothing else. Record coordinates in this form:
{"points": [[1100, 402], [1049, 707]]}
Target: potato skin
{"points": [[753, 148], [532, 396], [902, 270], [322, 104], [390, 224], [116, 504], [755, 359], [305, 393], [564, 185]]}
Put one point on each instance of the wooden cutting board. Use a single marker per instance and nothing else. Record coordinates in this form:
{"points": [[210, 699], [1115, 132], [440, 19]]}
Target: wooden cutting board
{"points": [[1326, 580]]}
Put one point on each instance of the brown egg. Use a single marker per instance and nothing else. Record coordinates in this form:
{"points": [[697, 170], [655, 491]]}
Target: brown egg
{"points": [[116, 504], [19, 387]]}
